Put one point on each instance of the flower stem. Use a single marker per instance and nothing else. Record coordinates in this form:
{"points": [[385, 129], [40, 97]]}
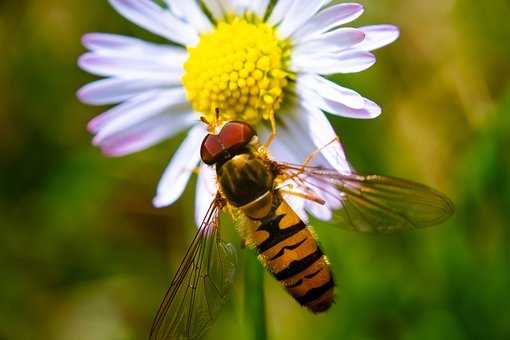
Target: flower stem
{"points": [[254, 302]]}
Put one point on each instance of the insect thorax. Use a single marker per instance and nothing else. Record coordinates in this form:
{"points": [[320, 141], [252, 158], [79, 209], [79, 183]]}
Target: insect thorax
{"points": [[244, 178]]}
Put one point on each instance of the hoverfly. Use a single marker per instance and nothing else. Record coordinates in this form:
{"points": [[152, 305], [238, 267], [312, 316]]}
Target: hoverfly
{"points": [[252, 184]]}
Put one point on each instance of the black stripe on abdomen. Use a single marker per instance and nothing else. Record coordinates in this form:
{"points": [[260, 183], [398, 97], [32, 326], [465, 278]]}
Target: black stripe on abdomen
{"points": [[291, 247], [277, 235], [309, 276], [297, 266], [315, 293]]}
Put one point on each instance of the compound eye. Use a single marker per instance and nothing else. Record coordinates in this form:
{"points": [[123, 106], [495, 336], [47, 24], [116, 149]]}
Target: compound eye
{"points": [[211, 150], [235, 135]]}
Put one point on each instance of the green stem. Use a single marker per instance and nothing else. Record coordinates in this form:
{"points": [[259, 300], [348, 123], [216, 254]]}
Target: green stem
{"points": [[254, 302]]}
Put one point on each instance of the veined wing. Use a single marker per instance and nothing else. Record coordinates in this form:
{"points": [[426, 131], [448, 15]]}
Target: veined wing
{"points": [[201, 284], [372, 203]]}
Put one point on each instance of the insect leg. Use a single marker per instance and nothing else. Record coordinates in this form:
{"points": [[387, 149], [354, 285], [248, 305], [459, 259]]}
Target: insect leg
{"points": [[306, 196], [317, 151], [273, 130]]}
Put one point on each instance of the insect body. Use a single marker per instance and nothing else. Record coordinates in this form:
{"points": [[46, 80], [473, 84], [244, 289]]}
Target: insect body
{"points": [[284, 242], [250, 182]]}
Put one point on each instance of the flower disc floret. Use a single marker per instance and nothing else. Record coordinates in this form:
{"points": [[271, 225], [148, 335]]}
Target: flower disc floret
{"points": [[238, 68]]}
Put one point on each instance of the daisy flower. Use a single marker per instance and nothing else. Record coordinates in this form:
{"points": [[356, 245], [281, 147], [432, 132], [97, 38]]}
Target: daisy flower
{"points": [[258, 61]]}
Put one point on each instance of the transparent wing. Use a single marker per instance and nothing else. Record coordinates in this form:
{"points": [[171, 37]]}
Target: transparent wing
{"points": [[200, 286], [371, 203]]}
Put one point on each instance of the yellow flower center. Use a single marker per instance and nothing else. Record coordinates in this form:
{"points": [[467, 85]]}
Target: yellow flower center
{"points": [[238, 68]]}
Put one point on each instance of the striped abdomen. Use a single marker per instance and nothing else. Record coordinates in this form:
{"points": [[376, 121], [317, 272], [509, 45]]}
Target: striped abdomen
{"points": [[290, 252]]}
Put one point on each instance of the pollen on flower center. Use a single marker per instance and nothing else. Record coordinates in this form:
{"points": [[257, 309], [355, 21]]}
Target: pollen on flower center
{"points": [[238, 68]]}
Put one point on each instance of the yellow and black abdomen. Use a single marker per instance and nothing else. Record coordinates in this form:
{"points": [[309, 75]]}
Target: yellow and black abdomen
{"points": [[291, 253], [286, 245]]}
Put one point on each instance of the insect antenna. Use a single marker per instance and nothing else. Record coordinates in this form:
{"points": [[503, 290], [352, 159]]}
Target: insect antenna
{"points": [[212, 124]]}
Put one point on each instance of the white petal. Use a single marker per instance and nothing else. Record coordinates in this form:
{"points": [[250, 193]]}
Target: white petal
{"points": [[307, 129], [293, 145], [126, 107], [338, 106], [146, 134], [205, 192], [330, 90], [320, 211], [324, 136], [290, 148], [372, 108], [297, 204], [294, 137], [299, 134], [191, 11], [116, 90], [327, 192], [157, 103], [259, 7], [334, 41], [299, 13], [152, 17], [215, 7], [130, 66], [177, 174], [173, 5], [283, 148], [378, 36], [281, 153], [280, 10], [329, 63], [238, 7], [120, 45], [369, 110], [327, 19]]}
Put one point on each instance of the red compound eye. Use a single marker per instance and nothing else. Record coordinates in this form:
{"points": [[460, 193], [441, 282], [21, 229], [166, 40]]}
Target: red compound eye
{"points": [[232, 137], [211, 150], [235, 135]]}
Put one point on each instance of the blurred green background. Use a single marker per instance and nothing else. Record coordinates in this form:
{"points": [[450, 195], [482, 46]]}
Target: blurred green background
{"points": [[84, 255]]}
